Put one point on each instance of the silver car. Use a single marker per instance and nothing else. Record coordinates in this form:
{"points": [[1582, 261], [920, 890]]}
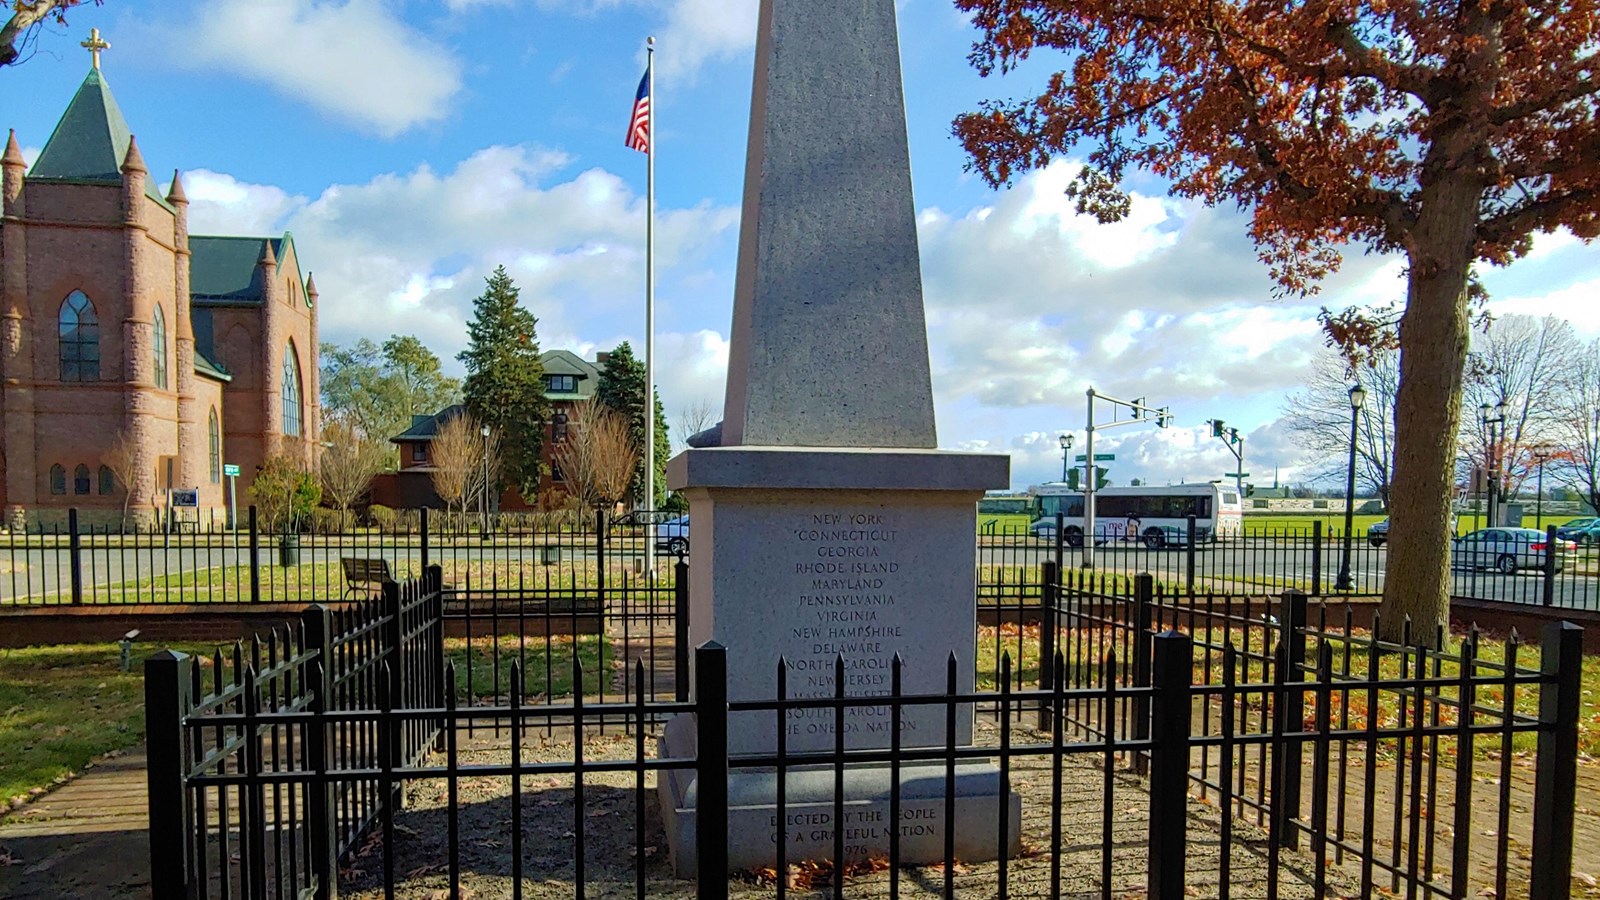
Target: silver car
{"points": [[1506, 550]]}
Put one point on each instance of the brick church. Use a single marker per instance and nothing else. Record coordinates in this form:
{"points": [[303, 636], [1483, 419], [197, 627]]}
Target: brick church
{"points": [[115, 320]]}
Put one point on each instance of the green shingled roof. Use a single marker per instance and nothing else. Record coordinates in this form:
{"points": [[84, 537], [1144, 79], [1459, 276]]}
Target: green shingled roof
{"points": [[90, 141], [223, 269]]}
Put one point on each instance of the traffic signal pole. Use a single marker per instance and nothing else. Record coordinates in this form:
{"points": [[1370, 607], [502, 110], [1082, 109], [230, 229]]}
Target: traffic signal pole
{"points": [[1141, 413]]}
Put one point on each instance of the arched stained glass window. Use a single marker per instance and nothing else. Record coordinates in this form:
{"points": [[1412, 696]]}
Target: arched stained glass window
{"points": [[58, 479], [80, 479], [108, 481], [215, 434], [161, 348], [79, 339], [291, 392]]}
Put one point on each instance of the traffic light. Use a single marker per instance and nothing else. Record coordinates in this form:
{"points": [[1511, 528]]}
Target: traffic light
{"points": [[1100, 479], [1216, 428], [1074, 477]]}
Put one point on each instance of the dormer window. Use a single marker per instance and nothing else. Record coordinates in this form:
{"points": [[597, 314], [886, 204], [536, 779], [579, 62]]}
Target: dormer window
{"points": [[561, 384]]}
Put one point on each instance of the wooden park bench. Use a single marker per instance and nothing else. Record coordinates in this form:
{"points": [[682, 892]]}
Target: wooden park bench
{"points": [[365, 574]]}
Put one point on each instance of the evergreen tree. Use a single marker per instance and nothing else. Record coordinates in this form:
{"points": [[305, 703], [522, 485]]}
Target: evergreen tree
{"points": [[504, 388], [621, 388]]}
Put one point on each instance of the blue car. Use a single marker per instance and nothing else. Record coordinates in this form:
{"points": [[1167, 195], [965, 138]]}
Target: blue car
{"points": [[672, 536]]}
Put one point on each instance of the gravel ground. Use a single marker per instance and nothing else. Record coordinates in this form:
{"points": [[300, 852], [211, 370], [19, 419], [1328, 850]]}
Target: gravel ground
{"points": [[610, 842]]}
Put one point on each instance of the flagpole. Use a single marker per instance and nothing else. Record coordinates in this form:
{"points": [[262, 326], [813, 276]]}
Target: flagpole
{"points": [[650, 308]]}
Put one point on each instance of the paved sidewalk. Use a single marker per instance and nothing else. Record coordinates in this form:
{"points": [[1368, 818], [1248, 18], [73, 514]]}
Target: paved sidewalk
{"points": [[88, 839]]}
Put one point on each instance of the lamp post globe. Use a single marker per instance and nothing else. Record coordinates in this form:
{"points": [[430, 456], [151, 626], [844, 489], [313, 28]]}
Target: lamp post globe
{"points": [[1066, 445], [1358, 397]]}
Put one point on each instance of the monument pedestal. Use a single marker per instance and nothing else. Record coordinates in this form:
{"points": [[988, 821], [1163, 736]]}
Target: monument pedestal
{"points": [[815, 554], [809, 810]]}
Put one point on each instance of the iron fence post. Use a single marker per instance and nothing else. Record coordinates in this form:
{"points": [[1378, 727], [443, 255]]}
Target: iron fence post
{"points": [[711, 770], [394, 652], [1549, 565], [1049, 588], [436, 662], [166, 702], [1316, 558], [1061, 539], [75, 554], [1169, 770], [255, 557], [680, 629], [424, 522], [600, 561], [321, 802], [1144, 589], [1556, 766], [1188, 568], [1289, 713]]}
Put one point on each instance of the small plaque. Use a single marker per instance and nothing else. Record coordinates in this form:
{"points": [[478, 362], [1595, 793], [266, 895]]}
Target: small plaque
{"points": [[185, 498]]}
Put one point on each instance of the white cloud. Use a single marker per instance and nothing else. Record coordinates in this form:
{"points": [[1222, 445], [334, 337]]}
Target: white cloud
{"points": [[702, 31], [221, 204], [30, 155], [406, 253], [353, 59]]}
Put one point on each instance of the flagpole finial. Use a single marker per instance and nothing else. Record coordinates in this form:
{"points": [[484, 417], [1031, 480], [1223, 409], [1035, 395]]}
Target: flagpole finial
{"points": [[651, 40]]}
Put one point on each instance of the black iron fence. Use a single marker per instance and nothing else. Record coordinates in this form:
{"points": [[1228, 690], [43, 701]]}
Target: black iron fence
{"points": [[1172, 744], [229, 816], [532, 556], [1523, 566], [576, 562]]}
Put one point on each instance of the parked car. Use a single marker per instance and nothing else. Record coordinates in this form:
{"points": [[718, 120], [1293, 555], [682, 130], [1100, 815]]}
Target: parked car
{"points": [[1378, 534], [1583, 532], [672, 536], [1506, 550]]}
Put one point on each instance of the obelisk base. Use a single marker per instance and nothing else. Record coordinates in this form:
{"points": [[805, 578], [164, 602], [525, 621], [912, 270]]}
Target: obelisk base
{"points": [[811, 812]]}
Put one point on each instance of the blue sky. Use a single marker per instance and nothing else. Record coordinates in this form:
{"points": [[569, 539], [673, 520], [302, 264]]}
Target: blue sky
{"points": [[412, 146]]}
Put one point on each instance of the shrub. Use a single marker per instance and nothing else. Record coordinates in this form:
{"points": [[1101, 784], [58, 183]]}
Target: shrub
{"points": [[326, 521], [382, 517]]}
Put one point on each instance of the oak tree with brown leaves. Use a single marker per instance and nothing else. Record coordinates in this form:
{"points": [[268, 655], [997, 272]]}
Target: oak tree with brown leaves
{"points": [[1449, 132]]}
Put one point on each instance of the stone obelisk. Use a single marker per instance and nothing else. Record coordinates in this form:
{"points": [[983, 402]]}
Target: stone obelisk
{"points": [[826, 524]]}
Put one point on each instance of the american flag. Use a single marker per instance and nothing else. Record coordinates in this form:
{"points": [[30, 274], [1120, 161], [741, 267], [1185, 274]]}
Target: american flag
{"points": [[639, 127]]}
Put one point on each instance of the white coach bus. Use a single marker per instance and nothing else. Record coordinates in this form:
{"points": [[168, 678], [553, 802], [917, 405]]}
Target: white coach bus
{"points": [[1155, 516]]}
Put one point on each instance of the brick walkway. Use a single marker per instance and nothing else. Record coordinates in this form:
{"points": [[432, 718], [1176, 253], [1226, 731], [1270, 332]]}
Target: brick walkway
{"points": [[88, 838]]}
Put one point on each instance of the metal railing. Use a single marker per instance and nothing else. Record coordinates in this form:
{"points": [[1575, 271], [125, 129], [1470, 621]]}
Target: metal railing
{"points": [[1377, 760]]}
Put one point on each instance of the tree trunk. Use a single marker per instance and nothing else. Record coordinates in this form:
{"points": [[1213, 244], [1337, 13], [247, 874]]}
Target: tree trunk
{"points": [[1433, 352]]}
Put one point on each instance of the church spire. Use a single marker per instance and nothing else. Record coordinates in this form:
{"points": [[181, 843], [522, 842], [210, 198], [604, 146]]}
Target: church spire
{"points": [[267, 256], [175, 193], [13, 155], [133, 160]]}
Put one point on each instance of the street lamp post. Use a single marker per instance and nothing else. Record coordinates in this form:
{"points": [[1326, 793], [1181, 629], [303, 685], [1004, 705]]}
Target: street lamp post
{"points": [[1066, 446], [1540, 455], [483, 498], [1494, 423], [1358, 396]]}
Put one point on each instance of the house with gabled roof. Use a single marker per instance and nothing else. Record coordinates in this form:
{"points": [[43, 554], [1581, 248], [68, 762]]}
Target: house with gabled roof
{"points": [[117, 321], [569, 379]]}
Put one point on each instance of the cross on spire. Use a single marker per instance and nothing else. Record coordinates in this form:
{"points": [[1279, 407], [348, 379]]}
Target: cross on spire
{"points": [[94, 45]]}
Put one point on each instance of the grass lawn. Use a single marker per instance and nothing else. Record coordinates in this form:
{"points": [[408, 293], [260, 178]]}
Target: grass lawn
{"points": [[62, 706], [544, 675]]}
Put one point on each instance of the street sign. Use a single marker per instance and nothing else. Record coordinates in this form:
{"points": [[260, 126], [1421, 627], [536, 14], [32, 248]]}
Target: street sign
{"points": [[230, 470], [1098, 457]]}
